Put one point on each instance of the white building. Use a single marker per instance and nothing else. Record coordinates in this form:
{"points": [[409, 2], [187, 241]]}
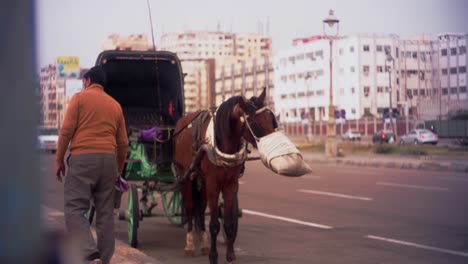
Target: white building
{"points": [[361, 77]]}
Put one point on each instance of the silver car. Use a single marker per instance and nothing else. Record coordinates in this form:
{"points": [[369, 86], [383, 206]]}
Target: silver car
{"points": [[352, 134], [419, 136]]}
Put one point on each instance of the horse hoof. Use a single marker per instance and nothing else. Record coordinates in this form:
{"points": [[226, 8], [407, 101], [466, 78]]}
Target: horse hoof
{"points": [[189, 253], [205, 251]]}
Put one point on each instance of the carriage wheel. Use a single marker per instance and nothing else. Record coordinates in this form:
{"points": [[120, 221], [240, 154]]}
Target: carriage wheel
{"points": [[133, 215], [172, 204]]}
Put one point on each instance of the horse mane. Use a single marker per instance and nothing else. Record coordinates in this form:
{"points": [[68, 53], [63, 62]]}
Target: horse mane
{"points": [[222, 125]]}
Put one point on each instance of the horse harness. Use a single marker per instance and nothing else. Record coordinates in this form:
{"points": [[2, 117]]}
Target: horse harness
{"points": [[208, 142]]}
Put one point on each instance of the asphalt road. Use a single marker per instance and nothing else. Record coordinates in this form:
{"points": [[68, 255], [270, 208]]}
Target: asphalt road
{"points": [[337, 214]]}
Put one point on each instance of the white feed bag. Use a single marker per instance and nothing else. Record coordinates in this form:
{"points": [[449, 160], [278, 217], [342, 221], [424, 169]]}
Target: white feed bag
{"points": [[281, 156]]}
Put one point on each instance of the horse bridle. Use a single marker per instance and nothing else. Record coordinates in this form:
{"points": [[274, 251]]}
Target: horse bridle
{"points": [[245, 120]]}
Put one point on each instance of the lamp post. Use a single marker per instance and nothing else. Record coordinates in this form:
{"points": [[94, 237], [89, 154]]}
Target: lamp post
{"points": [[389, 64], [331, 34]]}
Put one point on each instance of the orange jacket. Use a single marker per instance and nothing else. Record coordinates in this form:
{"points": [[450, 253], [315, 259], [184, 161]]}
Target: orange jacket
{"points": [[94, 123]]}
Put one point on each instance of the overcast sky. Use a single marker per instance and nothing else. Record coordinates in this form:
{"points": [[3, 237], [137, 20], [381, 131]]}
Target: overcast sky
{"points": [[78, 28]]}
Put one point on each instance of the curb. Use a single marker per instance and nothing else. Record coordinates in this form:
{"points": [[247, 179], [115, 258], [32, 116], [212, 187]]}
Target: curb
{"points": [[411, 165], [124, 254]]}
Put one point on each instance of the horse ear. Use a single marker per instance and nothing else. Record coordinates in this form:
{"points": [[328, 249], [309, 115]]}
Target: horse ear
{"points": [[262, 95]]}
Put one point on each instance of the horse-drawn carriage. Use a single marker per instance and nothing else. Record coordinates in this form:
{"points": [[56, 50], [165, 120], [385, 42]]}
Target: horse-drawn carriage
{"points": [[192, 160]]}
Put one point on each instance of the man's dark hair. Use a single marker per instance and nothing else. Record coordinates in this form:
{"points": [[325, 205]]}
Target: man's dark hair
{"points": [[96, 75]]}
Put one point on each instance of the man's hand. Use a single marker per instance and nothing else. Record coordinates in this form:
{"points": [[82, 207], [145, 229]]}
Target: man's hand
{"points": [[59, 171]]}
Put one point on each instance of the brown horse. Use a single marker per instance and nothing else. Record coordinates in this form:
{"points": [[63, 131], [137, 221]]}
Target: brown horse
{"points": [[219, 162]]}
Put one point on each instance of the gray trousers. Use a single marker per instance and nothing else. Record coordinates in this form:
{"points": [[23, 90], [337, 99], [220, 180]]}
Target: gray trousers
{"points": [[91, 177]]}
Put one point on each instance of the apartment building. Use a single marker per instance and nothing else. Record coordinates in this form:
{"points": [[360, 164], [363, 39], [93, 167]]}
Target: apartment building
{"points": [[131, 42], [58, 82], [447, 77], [216, 49], [363, 77], [245, 77]]}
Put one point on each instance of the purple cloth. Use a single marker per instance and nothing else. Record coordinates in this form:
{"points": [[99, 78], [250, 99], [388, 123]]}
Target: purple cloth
{"points": [[149, 134]]}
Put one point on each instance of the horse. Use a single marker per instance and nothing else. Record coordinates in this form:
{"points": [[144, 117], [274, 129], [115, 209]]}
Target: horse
{"points": [[214, 165]]}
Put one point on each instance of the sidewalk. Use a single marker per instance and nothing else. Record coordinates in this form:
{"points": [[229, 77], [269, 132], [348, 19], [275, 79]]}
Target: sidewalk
{"points": [[430, 162], [124, 254]]}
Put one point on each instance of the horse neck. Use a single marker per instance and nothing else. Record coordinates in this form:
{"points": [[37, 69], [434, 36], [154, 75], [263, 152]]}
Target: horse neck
{"points": [[229, 143]]}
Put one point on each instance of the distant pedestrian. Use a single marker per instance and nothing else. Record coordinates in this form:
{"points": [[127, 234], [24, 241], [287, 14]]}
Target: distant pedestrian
{"points": [[433, 130], [94, 127]]}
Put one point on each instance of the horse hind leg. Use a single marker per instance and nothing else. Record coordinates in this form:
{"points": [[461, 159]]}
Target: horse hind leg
{"points": [[188, 205], [200, 207]]}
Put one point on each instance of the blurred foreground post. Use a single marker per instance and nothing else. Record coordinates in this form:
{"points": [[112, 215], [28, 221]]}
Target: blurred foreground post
{"points": [[20, 226]]}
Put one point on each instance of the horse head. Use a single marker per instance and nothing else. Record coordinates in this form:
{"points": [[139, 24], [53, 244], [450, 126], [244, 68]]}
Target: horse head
{"points": [[257, 119]]}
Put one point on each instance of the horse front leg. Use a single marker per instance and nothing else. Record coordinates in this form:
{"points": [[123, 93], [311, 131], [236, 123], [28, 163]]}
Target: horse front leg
{"points": [[214, 225], [204, 238], [231, 221]]}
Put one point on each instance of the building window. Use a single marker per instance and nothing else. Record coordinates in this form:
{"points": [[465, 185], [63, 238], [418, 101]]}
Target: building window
{"points": [[462, 69], [366, 69], [366, 89], [351, 49], [415, 92], [415, 55], [463, 89], [444, 71], [367, 111], [379, 89], [352, 69], [422, 92], [353, 110], [353, 90], [341, 51], [453, 90], [444, 91], [379, 69], [462, 50], [396, 52], [453, 70], [434, 91], [408, 54], [319, 53], [379, 48], [398, 81], [453, 51], [408, 93], [366, 48], [443, 52]]}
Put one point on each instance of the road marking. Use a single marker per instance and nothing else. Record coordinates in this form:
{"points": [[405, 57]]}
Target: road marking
{"points": [[451, 179], [448, 251], [285, 219], [339, 195], [429, 188]]}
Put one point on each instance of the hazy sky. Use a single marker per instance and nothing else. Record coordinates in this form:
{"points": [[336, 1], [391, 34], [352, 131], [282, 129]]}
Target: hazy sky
{"points": [[78, 28]]}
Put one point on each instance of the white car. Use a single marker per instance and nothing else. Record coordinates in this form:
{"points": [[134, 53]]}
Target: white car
{"points": [[47, 140], [419, 136], [352, 134]]}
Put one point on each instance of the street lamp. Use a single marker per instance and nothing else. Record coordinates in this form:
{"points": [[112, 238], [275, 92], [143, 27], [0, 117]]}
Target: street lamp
{"points": [[332, 33], [389, 64]]}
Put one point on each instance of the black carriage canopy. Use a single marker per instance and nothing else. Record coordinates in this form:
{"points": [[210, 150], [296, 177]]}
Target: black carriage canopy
{"points": [[133, 82]]}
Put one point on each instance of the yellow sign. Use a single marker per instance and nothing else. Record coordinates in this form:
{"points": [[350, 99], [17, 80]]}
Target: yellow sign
{"points": [[68, 67]]}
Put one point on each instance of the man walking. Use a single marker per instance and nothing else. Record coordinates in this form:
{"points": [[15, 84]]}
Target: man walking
{"points": [[94, 127]]}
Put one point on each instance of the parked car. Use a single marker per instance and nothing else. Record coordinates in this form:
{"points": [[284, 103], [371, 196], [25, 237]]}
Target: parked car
{"points": [[419, 136], [383, 136], [352, 134], [47, 140]]}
